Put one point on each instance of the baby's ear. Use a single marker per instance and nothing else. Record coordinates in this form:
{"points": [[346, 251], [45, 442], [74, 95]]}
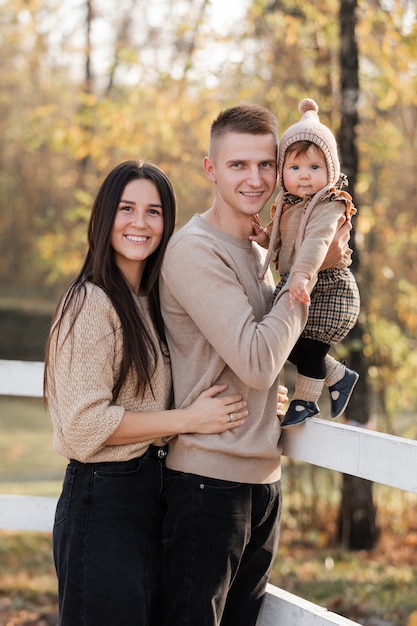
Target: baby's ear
{"points": [[272, 211]]}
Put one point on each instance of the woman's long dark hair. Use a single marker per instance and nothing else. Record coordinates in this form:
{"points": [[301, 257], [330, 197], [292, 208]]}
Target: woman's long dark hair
{"points": [[100, 268]]}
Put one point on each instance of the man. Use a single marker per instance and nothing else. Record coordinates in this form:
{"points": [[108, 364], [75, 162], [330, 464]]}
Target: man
{"points": [[223, 493]]}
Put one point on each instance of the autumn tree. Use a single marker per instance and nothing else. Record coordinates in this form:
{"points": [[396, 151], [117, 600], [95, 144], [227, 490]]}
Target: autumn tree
{"points": [[357, 527], [88, 84]]}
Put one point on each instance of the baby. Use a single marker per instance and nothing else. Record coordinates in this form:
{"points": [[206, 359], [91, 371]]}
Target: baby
{"points": [[305, 217]]}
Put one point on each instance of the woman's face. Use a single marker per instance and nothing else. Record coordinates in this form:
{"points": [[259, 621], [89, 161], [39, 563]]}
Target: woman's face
{"points": [[138, 227]]}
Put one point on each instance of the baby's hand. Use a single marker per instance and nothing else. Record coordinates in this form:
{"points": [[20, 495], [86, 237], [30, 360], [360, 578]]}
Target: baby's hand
{"points": [[261, 236], [298, 290]]}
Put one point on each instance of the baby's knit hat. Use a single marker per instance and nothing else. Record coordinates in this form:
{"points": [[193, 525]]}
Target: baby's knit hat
{"points": [[308, 128]]}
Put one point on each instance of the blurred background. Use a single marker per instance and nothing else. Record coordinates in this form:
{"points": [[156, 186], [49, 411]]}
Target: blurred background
{"points": [[87, 84]]}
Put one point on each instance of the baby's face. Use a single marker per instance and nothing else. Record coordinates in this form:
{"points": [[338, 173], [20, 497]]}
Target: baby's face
{"points": [[305, 174]]}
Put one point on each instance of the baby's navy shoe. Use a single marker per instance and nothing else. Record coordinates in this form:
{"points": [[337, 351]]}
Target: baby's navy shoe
{"points": [[298, 412], [341, 391]]}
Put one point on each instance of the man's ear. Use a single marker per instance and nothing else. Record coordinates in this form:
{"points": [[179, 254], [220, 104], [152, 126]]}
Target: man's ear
{"points": [[209, 168]]}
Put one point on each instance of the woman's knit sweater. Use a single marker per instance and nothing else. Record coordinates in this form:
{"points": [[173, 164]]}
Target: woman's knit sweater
{"points": [[81, 376]]}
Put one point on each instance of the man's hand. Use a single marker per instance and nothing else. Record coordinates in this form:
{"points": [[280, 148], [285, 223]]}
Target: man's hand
{"points": [[339, 253]]}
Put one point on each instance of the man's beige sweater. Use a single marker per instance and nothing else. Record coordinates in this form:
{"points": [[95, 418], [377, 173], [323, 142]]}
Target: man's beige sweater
{"points": [[82, 373], [221, 329]]}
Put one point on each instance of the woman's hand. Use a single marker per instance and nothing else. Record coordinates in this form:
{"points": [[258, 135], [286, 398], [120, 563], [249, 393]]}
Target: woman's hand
{"points": [[209, 414], [282, 401]]}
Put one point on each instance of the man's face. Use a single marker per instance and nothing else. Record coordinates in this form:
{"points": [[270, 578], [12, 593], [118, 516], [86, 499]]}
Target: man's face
{"points": [[243, 169]]}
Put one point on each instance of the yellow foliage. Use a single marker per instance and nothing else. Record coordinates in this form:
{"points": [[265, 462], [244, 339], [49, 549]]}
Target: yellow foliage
{"points": [[58, 141], [412, 620]]}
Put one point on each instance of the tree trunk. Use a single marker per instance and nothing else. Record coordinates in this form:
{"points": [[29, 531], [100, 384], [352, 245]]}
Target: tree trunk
{"points": [[86, 125], [357, 527]]}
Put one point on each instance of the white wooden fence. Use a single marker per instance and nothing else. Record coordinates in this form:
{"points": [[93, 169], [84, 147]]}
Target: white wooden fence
{"points": [[351, 450]]}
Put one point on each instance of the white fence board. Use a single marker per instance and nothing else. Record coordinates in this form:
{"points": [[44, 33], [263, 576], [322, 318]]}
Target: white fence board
{"points": [[20, 378], [357, 451], [27, 513], [375, 456], [281, 608]]}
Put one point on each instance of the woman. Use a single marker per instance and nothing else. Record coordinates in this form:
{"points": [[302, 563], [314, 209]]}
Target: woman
{"points": [[108, 388]]}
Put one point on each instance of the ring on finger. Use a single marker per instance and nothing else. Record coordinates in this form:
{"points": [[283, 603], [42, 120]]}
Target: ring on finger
{"points": [[231, 417]]}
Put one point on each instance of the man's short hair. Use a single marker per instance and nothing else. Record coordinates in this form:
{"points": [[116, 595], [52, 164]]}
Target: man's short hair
{"points": [[251, 119]]}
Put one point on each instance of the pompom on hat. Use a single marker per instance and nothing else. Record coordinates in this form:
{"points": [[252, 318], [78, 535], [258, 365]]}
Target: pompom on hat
{"points": [[309, 128]]}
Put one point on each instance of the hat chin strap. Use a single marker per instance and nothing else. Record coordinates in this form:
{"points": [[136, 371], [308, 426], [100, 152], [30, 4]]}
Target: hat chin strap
{"points": [[275, 226]]}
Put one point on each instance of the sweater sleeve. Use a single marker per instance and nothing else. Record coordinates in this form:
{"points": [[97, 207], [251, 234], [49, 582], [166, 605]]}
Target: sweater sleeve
{"points": [[208, 295], [82, 376], [319, 233]]}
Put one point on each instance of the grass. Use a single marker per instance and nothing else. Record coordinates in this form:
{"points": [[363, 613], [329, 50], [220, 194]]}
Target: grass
{"points": [[28, 466], [28, 463], [28, 588], [363, 586]]}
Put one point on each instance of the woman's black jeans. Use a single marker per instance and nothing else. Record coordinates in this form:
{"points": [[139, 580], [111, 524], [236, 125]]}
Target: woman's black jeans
{"points": [[106, 540]]}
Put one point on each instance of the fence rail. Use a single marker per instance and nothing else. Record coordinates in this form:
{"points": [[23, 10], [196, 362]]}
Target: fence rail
{"points": [[357, 451]]}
